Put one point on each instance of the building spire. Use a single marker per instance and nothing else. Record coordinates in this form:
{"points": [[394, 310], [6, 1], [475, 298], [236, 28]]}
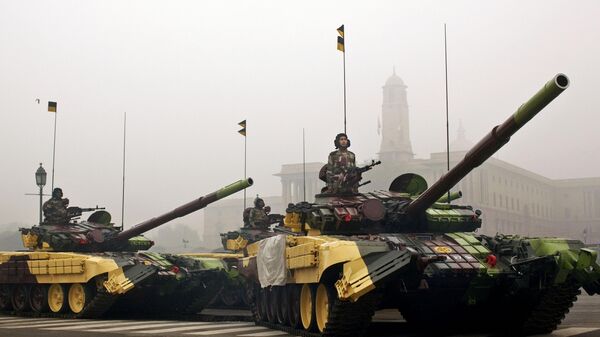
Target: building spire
{"points": [[395, 130]]}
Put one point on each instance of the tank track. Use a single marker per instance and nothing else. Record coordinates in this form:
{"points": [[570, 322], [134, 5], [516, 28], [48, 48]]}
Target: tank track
{"points": [[99, 305], [199, 303], [550, 310], [346, 318]]}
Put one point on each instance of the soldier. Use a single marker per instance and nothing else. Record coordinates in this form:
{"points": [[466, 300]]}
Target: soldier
{"points": [[258, 216], [55, 209], [340, 163]]}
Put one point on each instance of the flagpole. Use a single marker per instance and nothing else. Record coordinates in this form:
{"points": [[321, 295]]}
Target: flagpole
{"points": [[245, 152], [54, 148], [344, 57], [243, 133], [447, 123]]}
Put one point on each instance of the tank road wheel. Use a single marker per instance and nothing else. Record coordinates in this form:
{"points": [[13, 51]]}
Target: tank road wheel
{"points": [[293, 305], [325, 298], [271, 304], [57, 298], [20, 298], [5, 297], [307, 307], [282, 304], [79, 296], [38, 297]]}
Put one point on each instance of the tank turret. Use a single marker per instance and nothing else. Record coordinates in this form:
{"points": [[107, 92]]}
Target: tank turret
{"points": [[408, 205], [97, 234]]}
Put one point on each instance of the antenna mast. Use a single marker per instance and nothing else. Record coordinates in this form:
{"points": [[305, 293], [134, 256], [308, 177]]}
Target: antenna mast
{"points": [[123, 193]]}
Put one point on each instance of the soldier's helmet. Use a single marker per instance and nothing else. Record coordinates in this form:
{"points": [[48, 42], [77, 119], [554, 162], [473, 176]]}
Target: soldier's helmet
{"points": [[336, 142], [259, 202], [57, 193]]}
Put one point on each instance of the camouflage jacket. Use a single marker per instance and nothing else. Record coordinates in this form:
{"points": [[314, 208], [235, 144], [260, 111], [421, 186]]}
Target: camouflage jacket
{"points": [[258, 218], [55, 211], [338, 164]]}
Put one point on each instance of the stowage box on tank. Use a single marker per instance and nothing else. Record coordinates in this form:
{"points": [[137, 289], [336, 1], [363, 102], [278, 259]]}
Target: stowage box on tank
{"points": [[408, 248], [88, 268]]}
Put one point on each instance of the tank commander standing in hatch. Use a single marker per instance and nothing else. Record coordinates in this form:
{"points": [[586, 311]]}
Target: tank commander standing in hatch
{"points": [[339, 164], [258, 217], [55, 209]]}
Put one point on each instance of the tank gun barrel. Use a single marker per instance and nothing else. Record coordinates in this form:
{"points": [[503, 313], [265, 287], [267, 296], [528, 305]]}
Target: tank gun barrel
{"points": [[491, 143], [186, 209]]}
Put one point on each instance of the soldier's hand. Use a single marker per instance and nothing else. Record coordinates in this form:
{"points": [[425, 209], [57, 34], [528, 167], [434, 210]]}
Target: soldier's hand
{"points": [[267, 209]]}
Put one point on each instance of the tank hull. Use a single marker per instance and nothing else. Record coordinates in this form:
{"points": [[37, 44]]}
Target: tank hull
{"points": [[92, 285], [436, 281]]}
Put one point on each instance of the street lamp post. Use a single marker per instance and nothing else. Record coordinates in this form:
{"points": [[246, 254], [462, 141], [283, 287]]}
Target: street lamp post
{"points": [[40, 180]]}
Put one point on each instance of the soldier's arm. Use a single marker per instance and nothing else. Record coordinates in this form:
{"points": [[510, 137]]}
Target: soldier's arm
{"points": [[351, 160], [330, 167], [251, 218]]}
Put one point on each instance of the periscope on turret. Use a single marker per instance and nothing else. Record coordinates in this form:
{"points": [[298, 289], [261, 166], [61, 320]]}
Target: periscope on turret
{"points": [[348, 254], [87, 268]]}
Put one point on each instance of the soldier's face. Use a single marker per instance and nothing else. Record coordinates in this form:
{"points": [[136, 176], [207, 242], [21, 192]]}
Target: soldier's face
{"points": [[343, 142]]}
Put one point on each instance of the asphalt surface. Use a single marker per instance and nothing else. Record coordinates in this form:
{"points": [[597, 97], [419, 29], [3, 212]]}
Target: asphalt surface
{"points": [[582, 321]]}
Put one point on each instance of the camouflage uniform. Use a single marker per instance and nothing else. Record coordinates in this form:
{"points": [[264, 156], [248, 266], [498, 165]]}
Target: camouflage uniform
{"points": [[258, 215], [55, 209], [258, 218], [340, 162]]}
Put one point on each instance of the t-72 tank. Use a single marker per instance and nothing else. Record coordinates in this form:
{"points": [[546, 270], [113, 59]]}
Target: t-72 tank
{"points": [[88, 268], [347, 255]]}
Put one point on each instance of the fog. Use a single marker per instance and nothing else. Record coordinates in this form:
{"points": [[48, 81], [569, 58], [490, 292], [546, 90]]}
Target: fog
{"points": [[186, 72]]}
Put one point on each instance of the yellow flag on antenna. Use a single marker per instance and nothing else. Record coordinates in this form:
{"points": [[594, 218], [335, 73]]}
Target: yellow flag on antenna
{"points": [[340, 39], [52, 106], [242, 131]]}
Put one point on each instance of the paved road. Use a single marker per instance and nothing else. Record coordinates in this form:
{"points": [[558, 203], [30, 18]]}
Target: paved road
{"points": [[583, 321]]}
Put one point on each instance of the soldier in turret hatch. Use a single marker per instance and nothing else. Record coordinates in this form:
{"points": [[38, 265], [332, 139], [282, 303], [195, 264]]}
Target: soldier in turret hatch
{"points": [[258, 216], [339, 164], [55, 209]]}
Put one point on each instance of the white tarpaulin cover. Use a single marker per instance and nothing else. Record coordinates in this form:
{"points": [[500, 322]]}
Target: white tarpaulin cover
{"points": [[270, 261]]}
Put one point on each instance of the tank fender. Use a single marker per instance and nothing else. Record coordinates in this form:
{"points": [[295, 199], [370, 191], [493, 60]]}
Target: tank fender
{"points": [[584, 268], [360, 276], [121, 281]]}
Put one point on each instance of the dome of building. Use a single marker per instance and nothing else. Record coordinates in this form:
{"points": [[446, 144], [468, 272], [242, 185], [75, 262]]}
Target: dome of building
{"points": [[394, 80]]}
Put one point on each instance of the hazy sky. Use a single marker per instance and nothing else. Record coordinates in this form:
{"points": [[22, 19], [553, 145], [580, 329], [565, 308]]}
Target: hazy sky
{"points": [[186, 72]]}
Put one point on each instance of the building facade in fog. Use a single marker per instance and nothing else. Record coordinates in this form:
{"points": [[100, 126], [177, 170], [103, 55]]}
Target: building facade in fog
{"points": [[512, 199]]}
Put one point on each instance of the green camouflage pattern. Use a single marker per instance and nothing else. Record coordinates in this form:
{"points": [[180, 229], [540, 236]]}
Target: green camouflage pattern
{"points": [[339, 164]]}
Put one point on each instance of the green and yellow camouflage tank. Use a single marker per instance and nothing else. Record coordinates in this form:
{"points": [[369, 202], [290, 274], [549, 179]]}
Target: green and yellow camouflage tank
{"points": [[346, 255], [89, 268]]}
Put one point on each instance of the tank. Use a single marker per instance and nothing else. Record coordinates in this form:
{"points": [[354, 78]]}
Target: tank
{"points": [[234, 293], [408, 248], [91, 268]]}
